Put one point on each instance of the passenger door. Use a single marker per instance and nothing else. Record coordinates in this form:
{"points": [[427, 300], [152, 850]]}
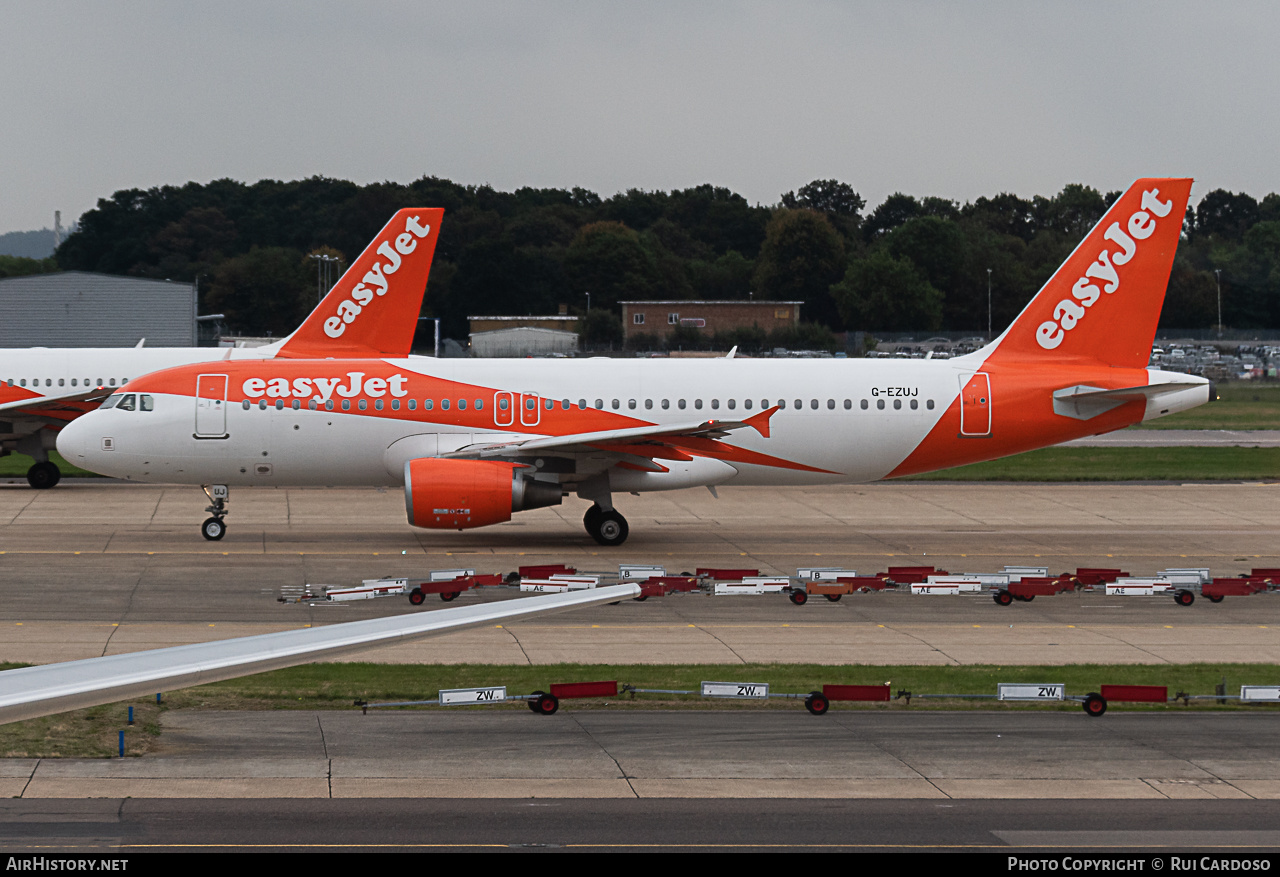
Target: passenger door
{"points": [[211, 407]]}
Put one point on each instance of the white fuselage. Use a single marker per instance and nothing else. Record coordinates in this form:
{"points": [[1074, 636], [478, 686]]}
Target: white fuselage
{"points": [[836, 420]]}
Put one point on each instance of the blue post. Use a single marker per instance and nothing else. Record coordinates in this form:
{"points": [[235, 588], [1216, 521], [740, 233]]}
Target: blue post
{"points": [[130, 715], [158, 696], [122, 744]]}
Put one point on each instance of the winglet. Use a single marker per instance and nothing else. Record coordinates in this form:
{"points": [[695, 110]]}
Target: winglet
{"points": [[373, 308], [760, 422]]}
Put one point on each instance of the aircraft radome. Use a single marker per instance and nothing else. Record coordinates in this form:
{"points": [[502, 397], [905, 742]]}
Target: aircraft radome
{"points": [[42, 388], [472, 441]]}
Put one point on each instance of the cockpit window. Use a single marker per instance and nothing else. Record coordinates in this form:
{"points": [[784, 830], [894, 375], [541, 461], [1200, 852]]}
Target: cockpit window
{"points": [[110, 402], [146, 402], [128, 402]]}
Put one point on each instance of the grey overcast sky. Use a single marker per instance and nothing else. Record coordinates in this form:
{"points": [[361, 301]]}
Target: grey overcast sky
{"points": [[954, 99]]}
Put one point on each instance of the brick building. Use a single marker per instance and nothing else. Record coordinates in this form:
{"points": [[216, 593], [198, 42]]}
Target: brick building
{"points": [[659, 318]]}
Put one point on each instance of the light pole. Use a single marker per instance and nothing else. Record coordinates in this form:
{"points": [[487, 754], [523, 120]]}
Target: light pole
{"points": [[1217, 272], [324, 274], [588, 295], [988, 304]]}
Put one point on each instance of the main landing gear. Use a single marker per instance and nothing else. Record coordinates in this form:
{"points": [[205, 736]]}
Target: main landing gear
{"points": [[606, 527], [214, 528], [44, 475]]}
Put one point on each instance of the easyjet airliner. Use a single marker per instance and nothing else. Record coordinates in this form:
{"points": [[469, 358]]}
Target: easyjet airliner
{"points": [[41, 388], [473, 441]]}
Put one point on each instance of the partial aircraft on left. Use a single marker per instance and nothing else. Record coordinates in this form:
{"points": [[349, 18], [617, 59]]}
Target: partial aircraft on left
{"points": [[42, 388]]}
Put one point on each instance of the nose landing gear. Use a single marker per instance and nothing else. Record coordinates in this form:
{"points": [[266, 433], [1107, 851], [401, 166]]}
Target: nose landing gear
{"points": [[44, 475], [214, 528]]}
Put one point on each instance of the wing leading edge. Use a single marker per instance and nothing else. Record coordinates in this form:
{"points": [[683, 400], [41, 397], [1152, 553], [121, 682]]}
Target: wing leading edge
{"points": [[52, 688]]}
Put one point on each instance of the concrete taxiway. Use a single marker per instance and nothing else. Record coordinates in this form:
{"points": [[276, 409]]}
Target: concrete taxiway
{"points": [[633, 754], [94, 568], [97, 568]]}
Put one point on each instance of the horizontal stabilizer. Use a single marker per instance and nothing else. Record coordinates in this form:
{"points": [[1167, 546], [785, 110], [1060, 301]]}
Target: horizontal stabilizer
{"points": [[1085, 403]]}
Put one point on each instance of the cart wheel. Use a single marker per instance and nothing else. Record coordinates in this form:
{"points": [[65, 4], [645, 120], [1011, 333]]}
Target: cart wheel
{"points": [[416, 597], [533, 700], [641, 598], [1095, 705], [1002, 598], [546, 705], [213, 529], [1215, 599], [1184, 598], [834, 598], [817, 703], [799, 598], [1028, 598], [449, 595]]}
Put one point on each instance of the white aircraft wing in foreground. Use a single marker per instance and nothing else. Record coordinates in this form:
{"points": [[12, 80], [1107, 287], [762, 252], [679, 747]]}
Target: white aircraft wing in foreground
{"points": [[53, 688]]}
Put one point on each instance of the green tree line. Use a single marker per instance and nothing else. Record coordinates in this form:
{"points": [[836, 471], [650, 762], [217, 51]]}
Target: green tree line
{"points": [[910, 263]]}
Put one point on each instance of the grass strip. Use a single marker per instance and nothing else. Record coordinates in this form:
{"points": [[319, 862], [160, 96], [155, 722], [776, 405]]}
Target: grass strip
{"points": [[16, 466], [92, 733]]}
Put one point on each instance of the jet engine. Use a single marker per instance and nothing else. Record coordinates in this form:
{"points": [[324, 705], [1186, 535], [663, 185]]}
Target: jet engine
{"points": [[461, 494]]}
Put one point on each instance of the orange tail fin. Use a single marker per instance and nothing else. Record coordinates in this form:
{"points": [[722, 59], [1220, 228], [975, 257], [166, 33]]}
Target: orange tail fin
{"points": [[373, 309], [1104, 302]]}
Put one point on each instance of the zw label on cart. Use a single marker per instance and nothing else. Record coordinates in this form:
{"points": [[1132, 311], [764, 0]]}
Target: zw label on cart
{"points": [[1260, 692], [736, 689], [462, 696], [1030, 691]]}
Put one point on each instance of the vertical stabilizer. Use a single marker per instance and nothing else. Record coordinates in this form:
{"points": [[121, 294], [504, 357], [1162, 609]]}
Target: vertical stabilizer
{"points": [[1104, 302], [372, 310]]}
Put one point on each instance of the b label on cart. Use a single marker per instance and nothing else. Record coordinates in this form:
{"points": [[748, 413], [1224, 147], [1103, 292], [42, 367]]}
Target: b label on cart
{"points": [[1030, 691], [462, 696], [758, 690]]}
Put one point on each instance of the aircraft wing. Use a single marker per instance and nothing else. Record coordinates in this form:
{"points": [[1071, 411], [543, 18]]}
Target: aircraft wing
{"points": [[53, 688], [74, 403], [630, 441]]}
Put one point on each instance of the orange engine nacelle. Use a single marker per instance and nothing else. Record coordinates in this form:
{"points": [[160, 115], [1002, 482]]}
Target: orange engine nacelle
{"points": [[461, 494]]}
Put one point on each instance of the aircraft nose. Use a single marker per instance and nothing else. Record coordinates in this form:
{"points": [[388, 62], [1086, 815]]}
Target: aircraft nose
{"points": [[73, 441]]}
